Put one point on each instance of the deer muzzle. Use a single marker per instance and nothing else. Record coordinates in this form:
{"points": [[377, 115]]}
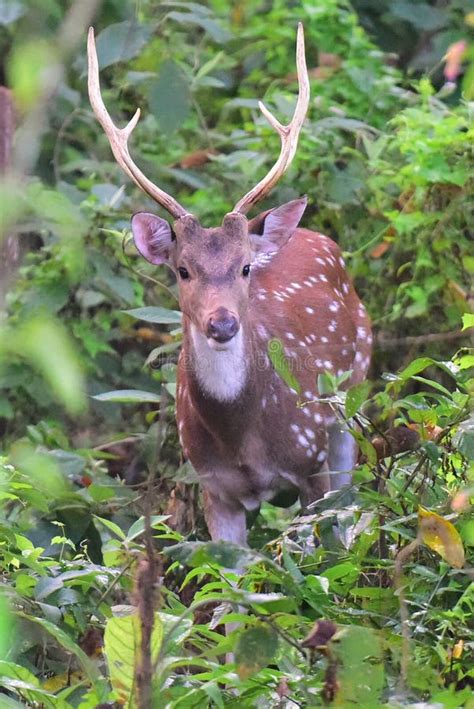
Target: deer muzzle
{"points": [[222, 326]]}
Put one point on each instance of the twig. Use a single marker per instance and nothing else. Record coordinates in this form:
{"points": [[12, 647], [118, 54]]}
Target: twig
{"points": [[145, 587], [113, 583], [136, 438], [387, 343], [146, 580], [400, 559], [145, 275]]}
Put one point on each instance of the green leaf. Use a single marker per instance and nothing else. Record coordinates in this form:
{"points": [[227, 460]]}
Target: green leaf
{"points": [[47, 585], [128, 396], [27, 63], [210, 26], [161, 316], [224, 554], [7, 627], [421, 15], [14, 671], [208, 66], [138, 527], [326, 383], [169, 97], [9, 703], [345, 185], [121, 41], [418, 365], [122, 639], [174, 633], [48, 348], [11, 679], [464, 361], [467, 321], [466, 443], [277, 356], [342, 576], [66, 642], [355, 397], [255, 648], [360, 672], [112, 527], [169, 348], [42, 470]]}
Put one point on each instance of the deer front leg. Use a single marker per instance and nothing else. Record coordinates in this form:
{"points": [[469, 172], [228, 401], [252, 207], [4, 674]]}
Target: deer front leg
{"points": [[342, 458], [224, 522], [228, 524]]}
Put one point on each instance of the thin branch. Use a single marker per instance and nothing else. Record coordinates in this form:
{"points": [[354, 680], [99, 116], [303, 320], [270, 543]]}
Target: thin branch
{"points": [[387, 343], [147, 578], [403, 556]]}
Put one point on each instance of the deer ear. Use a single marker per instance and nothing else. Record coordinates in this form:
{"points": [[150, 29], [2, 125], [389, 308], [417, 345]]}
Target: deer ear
{"points": [[153, 237], [279, 224]]}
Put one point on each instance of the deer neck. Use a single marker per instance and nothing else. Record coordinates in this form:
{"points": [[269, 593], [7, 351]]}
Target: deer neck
{"points": [[222, 373]]}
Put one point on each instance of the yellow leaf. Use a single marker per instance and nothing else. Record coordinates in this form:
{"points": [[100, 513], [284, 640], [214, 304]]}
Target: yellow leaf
{"points": [[457, 649], [441, 536]]}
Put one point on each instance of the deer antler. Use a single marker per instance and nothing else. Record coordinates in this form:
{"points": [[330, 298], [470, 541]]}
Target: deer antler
{"points": [[118, 137], [289, 134]]}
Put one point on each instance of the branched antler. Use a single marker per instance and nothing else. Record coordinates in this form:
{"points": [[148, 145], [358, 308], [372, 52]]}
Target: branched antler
{"points": [[118, 137], [289, 134]]}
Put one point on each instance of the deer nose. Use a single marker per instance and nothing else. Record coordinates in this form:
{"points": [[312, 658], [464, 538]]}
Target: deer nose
{"points": [[222, 327]]}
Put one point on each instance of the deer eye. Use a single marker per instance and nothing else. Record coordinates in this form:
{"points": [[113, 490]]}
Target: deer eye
{"points": [[246, 270], [183, 272]]}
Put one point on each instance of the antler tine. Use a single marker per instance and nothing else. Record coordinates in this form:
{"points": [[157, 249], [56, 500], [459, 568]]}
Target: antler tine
{"points": [[288, 134], [118, 137]]}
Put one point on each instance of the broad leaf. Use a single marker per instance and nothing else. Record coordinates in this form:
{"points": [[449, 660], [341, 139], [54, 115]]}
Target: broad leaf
{"points": [[169, 97], [50, 350], [441, 536], [158, 315], [360, 671], [114, 528], [355, 397], [122, 639], [138, 527], [256, 647], [13, 671], [121, 41], [66, 642], [223, 554], [281, 363], [128, 396], [467, 321], [418, 365]]}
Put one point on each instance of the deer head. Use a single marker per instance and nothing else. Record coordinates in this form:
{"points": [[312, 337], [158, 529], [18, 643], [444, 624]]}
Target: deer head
{"points": [[212, 265]]}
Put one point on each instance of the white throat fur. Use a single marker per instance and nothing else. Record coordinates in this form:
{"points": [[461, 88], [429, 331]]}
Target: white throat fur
{"points": [[221, 370]]}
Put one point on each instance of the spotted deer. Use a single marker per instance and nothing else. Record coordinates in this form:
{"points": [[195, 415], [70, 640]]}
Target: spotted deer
{"points": [[247, 434]]}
